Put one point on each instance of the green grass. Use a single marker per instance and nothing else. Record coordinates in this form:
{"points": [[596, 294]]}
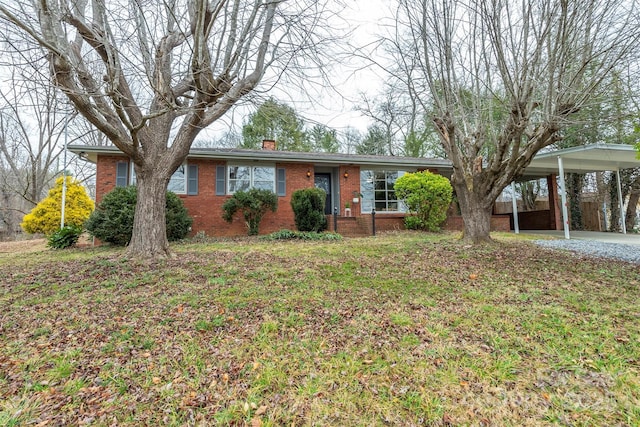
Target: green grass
{"points": [[402, 329]]}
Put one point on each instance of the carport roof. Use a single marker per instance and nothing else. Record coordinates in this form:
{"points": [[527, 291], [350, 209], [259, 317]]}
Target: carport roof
{"points": [[584, 159]]}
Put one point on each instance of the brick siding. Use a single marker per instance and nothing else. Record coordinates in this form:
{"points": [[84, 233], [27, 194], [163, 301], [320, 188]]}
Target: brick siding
{"points": [[206, 207]]}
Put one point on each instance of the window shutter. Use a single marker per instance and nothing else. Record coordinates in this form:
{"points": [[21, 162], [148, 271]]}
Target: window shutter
{"points": [[192, 180], [122, 174], [281, 183], [220, 181]]}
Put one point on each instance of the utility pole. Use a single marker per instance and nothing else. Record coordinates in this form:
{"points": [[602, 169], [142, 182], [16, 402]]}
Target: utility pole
{"points": [[64, 175]]}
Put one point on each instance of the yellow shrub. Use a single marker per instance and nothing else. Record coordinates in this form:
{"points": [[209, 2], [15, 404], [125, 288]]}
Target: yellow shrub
{"points": [[45, 217]]}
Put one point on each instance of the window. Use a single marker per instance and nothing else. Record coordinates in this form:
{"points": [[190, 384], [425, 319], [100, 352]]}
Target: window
{"points": [[243, 178], [183, 181], [378, 192], [178, 181], [122, 175]]}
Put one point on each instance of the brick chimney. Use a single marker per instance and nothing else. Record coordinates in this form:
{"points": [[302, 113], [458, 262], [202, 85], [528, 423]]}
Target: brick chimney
{"points": [[268, 144]]}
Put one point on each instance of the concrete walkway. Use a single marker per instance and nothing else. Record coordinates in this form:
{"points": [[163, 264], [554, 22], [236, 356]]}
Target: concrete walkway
{"points": [[628, 239]]}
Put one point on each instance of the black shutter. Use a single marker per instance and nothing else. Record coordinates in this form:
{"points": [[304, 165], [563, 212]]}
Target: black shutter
{"points": [[221, 180], [122, 174], [192, 180], [281, 184]]}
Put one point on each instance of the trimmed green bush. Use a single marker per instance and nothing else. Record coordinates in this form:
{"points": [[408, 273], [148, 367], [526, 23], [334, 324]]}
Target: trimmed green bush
{"points": [[413, 223], [65, 237], [112, 221], [253, 204], [308, 209], [177, 218], [428, 196]]}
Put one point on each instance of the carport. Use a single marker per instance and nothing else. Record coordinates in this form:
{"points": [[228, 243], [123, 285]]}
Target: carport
{"points": [[582, 159]]}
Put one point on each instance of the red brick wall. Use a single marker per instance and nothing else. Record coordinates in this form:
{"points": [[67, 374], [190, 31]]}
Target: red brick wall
{"points": [[206, 207], [387, 222], [106, 175], [348, 186]]}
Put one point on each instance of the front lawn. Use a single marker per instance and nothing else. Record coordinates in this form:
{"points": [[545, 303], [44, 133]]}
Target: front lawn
{"points": [[402, 329]]}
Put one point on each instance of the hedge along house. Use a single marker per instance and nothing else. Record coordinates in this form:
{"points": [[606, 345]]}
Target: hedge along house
{"points": [[355, 185]]}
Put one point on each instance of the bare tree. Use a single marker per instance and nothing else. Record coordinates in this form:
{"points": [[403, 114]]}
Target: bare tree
{"points": [[32, 118], [151, 75], [397, 110], [503, 78]]}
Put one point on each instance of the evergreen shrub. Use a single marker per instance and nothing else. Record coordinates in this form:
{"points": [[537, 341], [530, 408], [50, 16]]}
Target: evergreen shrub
{"points": [[308, 209], [112, 221]]}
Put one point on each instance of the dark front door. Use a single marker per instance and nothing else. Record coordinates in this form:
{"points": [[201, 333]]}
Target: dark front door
{"points": [[323, 180]]}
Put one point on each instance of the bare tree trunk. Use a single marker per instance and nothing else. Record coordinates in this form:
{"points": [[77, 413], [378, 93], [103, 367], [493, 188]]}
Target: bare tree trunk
{"points": [[614, 223], [630, 217], [149, 237], [575, 183], [476, 215]]}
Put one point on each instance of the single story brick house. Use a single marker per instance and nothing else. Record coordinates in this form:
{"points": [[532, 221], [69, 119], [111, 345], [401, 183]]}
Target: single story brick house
{"points": [[355, 185]]}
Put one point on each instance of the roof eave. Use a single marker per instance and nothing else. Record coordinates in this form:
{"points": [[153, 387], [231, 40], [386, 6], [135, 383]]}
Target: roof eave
{"points": [[91, 152]]}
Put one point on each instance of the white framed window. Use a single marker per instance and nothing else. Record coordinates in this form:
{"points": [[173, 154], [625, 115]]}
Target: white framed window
{"points": [[183, 181], [377, 189], [243, 178], [178, 181]]}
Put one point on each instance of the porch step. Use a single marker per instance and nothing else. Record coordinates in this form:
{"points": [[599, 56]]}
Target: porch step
{"points": [[350, 226]]}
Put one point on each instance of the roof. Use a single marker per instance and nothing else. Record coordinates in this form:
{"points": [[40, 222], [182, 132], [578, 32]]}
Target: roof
{"points": [[584, 159], [326, 159], [581, 159]]}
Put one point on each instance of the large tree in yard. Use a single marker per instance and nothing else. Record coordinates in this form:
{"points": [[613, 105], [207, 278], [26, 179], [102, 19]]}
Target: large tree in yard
{"points": [[151, 75], [502, 78]]}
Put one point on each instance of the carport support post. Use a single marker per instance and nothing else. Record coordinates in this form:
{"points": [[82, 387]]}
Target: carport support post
{"points": [[516, 226], [563, 195], [622, 216]]}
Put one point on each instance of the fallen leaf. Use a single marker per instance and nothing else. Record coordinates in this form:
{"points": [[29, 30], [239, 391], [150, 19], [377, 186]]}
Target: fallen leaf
{"points": [[256, 422], [156, 380], [447, 420], [261, 410]]}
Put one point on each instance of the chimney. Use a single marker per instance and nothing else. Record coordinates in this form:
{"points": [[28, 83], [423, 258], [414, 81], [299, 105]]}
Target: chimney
{"points": [[269, 144]]}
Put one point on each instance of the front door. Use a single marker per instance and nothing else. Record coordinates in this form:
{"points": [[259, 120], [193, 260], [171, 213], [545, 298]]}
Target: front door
{"points": [[323, 180]]}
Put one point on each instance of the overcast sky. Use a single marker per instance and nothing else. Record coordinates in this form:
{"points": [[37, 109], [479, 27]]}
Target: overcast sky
{"points": [[337, 111]]}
